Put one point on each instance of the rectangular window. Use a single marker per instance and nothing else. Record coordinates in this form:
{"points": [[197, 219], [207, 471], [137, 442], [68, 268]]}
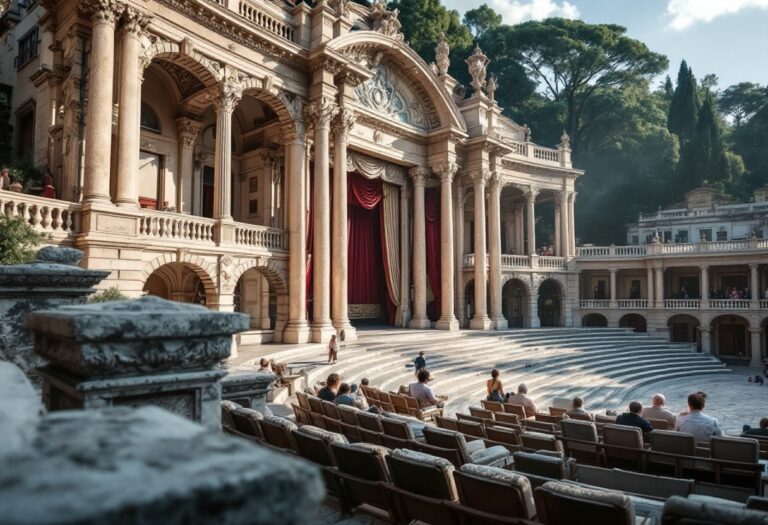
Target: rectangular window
{"points": [[253, 207], [649, 239], [705, 235], [722, 236], [682, 236], [668, 236], [253, 185], [635, 239], [28, 48]]}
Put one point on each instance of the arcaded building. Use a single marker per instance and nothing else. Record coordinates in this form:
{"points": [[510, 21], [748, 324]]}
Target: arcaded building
{"points": [[305, 166]]}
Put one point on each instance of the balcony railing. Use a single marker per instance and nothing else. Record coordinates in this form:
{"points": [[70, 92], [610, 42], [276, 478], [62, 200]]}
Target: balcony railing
{"points": [[682, 304], [515, 261], [51, 216], [632, 303], [254, 12], [677, 304], [594, 303], [763, 303], [612, 252], [522, 261], [260, 237], [729, 304], [179, 227], [716, 210]]}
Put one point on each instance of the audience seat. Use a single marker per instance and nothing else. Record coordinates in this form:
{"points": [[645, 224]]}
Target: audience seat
{"points": [[502, 418], [362, 470], [331, 417], [471, 428], [646, 485], [313, 443], [349, 424], [397, 434], [540, 468], [493, 406], [247, 423], [227, 407], [540, 426], [422, 413], [518, 410], [683, 511], [278, 432], [505, 436], [447, 422], [625, 437], [659, 424], [495, 490], [481, 413], [470, 452], [577, 436], [605, 420], [369, 426], [316, 411], [564, 503], [540, 441], [670, 442], [557, 411]]}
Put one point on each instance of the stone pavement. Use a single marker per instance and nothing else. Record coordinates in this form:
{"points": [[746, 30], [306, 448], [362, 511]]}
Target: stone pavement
{"points": [[730, 399]]}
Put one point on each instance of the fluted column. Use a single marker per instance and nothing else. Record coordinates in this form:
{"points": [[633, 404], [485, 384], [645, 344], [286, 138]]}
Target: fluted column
{"points": [[571, 224], [520, 231], [420, 320], [704, 282], [446, 172], [494, 248], [458, 266], [659, 281], [405, 259], [649, 286], [339, 269], [530, 197], [557, 247], [754, 286], [98, 132], [565, 225], [614, 292], [321, 113], [480, 321], [188, 131], [229, 95], [297, 329], [129, 115]]}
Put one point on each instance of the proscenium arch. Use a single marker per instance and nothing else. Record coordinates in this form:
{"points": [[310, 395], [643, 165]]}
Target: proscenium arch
{"points": [[400, 53]]}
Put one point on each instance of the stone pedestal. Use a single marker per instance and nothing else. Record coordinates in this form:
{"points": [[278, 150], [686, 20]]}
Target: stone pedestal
{"points": [[147, 351], [249, 389], [53, 280]]}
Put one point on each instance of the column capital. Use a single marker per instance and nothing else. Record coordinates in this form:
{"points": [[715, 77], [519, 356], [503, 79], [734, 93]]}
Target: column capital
{"points": [[342, 123], [531, 192], [753, 266], [321, 111], [480, 177], [613, 270], [419, 175], [446, 171], [189, 131], [755, 329], [134, 22], [572, 196], [704, 266], [495, 181], [104, 11]]}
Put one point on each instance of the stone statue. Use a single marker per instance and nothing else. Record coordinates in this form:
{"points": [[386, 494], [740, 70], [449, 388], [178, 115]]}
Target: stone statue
{"points": [[477, 63], [565, 140], [441, 55], [490, 87], [386, 22], [527, 132]]}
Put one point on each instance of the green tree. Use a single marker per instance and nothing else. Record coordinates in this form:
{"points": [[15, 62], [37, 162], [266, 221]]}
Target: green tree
{"points": [[741, 101], [112, 293], [18, 240], [669, 88], [570, 60], [481, 19], [684, 107], [751, 142], [706, 153]]}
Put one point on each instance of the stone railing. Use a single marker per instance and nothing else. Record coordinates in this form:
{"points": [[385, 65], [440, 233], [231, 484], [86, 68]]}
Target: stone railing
{"points": [[594, 303], [509, 261], [632, 303], [167, 225], [716, 210], [519, 148], [763, 303], [610, 252], [280, 25], [59, 219], [550, 155], [729, 304], [515, 261], [682, 304], [260, 237], [550, 262]]}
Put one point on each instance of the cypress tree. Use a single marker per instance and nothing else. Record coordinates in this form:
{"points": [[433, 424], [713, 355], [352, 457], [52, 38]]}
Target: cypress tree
{"points": [[684, 107], [669, 89], [707, 152]]}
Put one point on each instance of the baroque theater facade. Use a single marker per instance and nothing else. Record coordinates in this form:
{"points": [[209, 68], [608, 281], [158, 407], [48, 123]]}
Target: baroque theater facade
{"points": [[305, 166]]}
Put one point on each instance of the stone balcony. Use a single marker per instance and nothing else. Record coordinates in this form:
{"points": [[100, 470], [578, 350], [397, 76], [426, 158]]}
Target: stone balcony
{"points": [[523, 262], [748, 246], [675, 304]]}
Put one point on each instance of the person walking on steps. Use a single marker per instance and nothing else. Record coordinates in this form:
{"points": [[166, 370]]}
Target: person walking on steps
{"points": [[419, 363], [333, 349]]}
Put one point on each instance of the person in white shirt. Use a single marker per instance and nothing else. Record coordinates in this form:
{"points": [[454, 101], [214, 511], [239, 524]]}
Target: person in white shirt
{"points": [[423, 392], [658, 410], [521, 398], [696, 422]]}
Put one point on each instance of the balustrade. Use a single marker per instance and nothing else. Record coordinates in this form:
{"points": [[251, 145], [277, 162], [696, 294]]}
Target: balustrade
{"points": [[763, 303], [551, 155], [551, 262], [57, 218], [594, 303], [685, 304], [729, 304], [258, 15], [632, 303], [260, 237], [175, 226], [515, 261]]}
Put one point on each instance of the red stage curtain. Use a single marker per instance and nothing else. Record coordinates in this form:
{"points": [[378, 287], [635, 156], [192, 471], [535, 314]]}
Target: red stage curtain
{"points": [[432, 233], [310, 240], [366, 193]]}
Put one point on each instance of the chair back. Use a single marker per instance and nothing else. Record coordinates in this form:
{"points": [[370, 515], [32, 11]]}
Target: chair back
{"points": [[303, 400], [493, 406], [518, 410], [564, 503], [599, 418], [471, 428], [446, 422], [363, 460], [451, 454], [331, 410], [369, 421], [659, 424], [626, 437], [538, 441], [278, 432], [540, 426], [545, 418], [503, 435], [468, 417], [580, 417], [247, 422], [371, 393], [541, 465], [495, 490], [581, 431], [743, 450], [647, 485], [506, 419], [348, 414], [227, 407], [396, 428], [684, 511], [557, 411], [678, 443], [481, 413], [313, 443], [422, 474], [315, 404], [400, 403]]}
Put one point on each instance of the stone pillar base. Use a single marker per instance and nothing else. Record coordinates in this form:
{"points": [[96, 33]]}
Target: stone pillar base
{"points": [[535, 323], [420, 323], [350, 332], [481, 323], [500, 323], [447, 323], [321, 332], [296, 332]]}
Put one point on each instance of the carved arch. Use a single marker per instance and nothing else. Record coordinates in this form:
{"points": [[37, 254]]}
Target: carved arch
{"points": [[202, 268], [273, 270]]}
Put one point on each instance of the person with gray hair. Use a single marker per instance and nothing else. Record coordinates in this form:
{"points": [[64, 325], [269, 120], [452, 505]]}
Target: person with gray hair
{"points": [[521, 398], [659, 411]]}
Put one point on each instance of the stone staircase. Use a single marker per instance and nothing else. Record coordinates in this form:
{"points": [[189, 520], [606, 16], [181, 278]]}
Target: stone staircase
{"points": [[602, 365]]}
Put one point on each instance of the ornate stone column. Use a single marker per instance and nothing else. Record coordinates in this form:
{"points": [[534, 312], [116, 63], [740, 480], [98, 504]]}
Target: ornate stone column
{"points": [[458, 264], [754, 287], [557, 248], [530, 197], [98, 132], [494, 247], [659, 281], [571, 223], [649, 287], [420, 320], [520, 231], [229, 95], [321, 112], [704, 281], [614, 294], [188, 131], [446, 171], [264, 320], [706, 339], [480, 321], [343, 122], [405, 259], [127, 195], [297, 329], [565, 225], [756, 351]]}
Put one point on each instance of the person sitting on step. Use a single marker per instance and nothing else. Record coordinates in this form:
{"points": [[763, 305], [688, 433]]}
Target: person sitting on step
{"points": [[634, 419], [521, 398], [495, 388], [577, 409]]}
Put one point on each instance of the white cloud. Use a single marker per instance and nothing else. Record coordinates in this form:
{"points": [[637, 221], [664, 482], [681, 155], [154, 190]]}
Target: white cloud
{"points": [[516, 11], [686, 13]]}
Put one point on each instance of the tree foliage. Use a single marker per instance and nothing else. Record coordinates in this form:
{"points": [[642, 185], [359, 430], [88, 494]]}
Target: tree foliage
{"points": [[481, 19], [742, 101], [110, 294], [18, 240], [684, 107]]}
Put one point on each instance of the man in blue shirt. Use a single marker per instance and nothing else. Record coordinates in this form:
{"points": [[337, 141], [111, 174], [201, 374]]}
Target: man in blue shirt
{"points": [[420, 362], [634, 419]]}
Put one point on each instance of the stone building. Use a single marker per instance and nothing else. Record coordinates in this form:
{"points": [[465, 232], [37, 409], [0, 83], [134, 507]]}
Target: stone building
{"points": [[199, 150]]}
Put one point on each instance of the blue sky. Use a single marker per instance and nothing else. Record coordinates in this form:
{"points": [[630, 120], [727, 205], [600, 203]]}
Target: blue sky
{"points": [[725, 37]]}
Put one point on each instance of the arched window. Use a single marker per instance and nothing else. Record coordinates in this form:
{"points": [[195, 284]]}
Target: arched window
{"points": [[149, 120]]}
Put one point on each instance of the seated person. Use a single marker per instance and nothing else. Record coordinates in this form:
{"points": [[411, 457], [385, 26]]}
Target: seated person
{"points": [[328, 392], [696, 422], [344, 396], [268, 366], [360, 400], [634, 419], [758, 432], [423, 393], [521, 398], [577, 408], [658, 410]]}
